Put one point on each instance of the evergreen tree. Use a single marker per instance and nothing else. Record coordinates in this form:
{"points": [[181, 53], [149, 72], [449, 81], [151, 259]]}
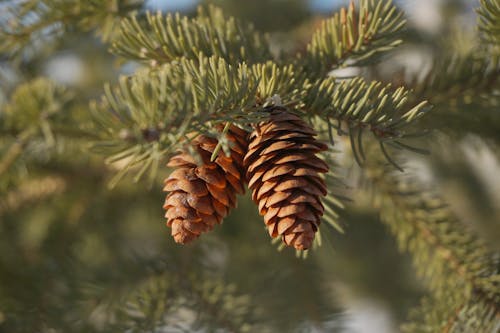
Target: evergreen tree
{"points": [[82, 159]]}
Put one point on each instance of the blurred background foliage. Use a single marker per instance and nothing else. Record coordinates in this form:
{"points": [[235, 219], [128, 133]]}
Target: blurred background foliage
{"points": [[78, 257]]}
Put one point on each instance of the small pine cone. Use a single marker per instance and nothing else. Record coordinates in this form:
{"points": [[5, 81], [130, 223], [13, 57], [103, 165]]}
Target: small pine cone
{"points": [[200, 196], [283, 174]]}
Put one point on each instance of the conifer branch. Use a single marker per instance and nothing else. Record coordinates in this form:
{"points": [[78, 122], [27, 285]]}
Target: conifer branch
{"points": [[451, 258], [163, 299], [151, 114], [186, 96], [210, 72], [33, 110], [451, 313], [31, 191], [489, 22], [354, 106], [30, 21], [354, 37], [286, 82], [15, 150], [463, 89], [461, 80], [162, 39]]}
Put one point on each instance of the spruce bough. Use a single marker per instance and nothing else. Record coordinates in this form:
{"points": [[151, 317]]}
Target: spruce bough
{"points": [[196, 83], [214, 98]]}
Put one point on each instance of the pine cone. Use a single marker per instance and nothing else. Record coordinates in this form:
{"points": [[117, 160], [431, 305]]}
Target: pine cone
{"points": [[202, 195], [283, 174]]}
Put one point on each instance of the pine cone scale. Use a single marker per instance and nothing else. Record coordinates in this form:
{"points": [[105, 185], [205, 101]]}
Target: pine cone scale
{"points": [[218, 194], [258, 140], [195, 187], [211, 176], [235, 183], [182, 160], [182, 212], [200, 204], [285, 224], [276, 198]]}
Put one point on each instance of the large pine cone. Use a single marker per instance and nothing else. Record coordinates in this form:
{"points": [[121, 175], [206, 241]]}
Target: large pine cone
{"points": [[283, 174], [202, 195]]}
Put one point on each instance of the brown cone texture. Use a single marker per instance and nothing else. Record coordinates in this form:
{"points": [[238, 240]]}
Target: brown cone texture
{"points": [[283, 174], [200, 196]]}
